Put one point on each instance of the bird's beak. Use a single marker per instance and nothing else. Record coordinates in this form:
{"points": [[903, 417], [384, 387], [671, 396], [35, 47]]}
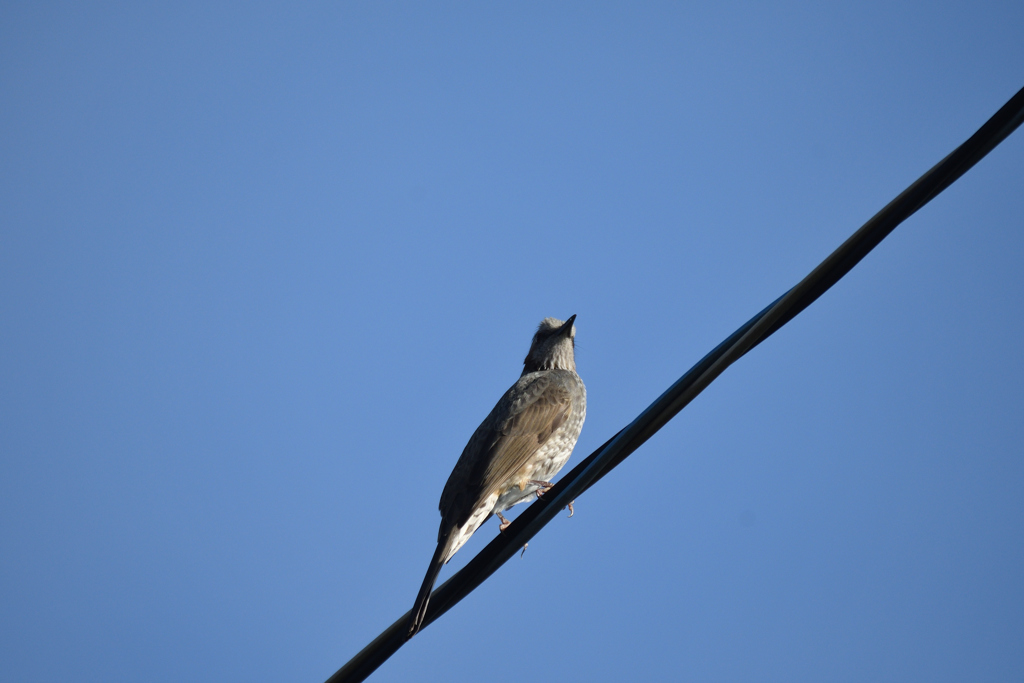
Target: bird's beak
{"points": [[566, 328]]}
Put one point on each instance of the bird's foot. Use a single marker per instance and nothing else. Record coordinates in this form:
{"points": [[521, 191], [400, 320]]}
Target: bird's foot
{"points": [[504, 525], [542, 486]]}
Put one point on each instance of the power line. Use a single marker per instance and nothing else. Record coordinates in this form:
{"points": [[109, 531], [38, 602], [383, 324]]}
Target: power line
{"points": [[752, 333]]}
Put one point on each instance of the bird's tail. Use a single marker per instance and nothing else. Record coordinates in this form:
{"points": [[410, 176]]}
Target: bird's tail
{"points": [[419, 610]]}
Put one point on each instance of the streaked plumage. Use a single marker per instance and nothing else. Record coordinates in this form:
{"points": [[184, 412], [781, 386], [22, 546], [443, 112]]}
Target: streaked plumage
{"points": [[527, 437]]}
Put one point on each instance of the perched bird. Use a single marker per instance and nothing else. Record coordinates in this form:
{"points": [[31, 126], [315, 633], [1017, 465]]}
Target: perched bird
{"points": [[515, 451]]}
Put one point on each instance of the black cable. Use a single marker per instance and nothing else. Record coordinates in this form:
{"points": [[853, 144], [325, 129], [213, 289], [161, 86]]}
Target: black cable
{"points": [[752, 333]]}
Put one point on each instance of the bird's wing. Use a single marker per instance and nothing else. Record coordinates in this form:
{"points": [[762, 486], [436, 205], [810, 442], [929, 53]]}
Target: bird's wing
{"points": [[544, 409], [519, 425]]}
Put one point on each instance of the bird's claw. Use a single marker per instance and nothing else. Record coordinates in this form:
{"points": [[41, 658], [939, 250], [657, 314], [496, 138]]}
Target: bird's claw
{"points": [[542, 486], [504, 522], [524, 550]]}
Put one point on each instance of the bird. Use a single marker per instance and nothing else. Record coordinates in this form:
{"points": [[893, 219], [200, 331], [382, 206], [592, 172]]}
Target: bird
{"points": [[512, 456]]}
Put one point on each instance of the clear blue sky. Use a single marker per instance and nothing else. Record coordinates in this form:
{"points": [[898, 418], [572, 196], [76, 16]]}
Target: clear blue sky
{"points": [[263, 269]]}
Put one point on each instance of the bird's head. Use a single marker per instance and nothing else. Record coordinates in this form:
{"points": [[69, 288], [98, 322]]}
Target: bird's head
{"points": [[553, 346]]}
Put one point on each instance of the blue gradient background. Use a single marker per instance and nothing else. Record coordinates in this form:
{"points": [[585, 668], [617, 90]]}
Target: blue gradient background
{"points": [[263, 269]]}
